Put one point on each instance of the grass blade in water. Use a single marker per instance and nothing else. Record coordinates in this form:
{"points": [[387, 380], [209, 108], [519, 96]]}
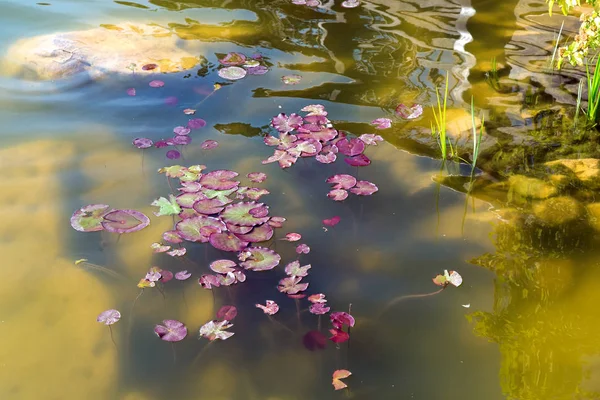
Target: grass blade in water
{"points": [[84, 264]]}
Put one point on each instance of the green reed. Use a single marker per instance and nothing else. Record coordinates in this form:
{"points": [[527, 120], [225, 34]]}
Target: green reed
{"points": [[556, 46], [439, 128], [476, 137], [593, 81]]}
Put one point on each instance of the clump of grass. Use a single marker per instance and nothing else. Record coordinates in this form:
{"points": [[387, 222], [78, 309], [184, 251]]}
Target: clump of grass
{"points": [[476, 137], [593, 81], [439, 129]]}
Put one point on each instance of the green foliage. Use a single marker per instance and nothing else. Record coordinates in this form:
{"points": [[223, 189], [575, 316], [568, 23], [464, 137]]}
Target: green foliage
{"points": [[593, 81], [167, 206], [566, 5], [439, 129]]}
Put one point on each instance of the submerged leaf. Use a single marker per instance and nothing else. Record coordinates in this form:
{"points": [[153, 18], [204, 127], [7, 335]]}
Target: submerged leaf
{"points": [[314, 340], [142, 143], [209, 144], [156, 84], [109, 317], [196, 123], [227, 313], [270, 308], [407, 112], [257, 177], [333, 221], [171, 330], [173, 154], [338, 336]]}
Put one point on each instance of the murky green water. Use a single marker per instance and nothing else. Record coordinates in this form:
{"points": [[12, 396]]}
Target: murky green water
{"points": [[529, 330]]}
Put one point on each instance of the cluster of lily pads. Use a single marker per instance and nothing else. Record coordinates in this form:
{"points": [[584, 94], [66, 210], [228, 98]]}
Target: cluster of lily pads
{"points": [[237, 65], [99, 217], [317, 3]]}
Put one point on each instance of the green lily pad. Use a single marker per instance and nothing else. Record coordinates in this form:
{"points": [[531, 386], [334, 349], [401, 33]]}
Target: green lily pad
{"points": [[239, 214], [89, 218], [167, 207], [260, 259], [125, 221], [194, 229]]}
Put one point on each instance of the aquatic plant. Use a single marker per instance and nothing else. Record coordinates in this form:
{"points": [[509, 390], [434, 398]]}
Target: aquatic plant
{"points": [[171, 330], [406, 112], [109, 318], [476, 138], [98, 217], [214, 330], [270, 307], [593, 83], [439, 129], [333, 221], [227, 313], [382, 123], [337, 376]]}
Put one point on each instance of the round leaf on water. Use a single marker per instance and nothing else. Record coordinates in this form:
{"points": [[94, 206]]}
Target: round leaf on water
{"points": [[257, 70], [173, 154], [292, 285], [227, 242], [259, 212], [257, 177], [196, 123], [209, 206], [338, 194], [270, 308], [291, 79], [125, 221], [156, 84], [232, 73], [208, 281], [239, 214], [302, 249], [89, 218], [407, 112], [182, 275], [192, 229], [318, 309], [209, 144], [172, 237], [360, 160], [238, 229], [333, 221], [382, 123], [222, 266], [233, 58], [166, 275], [294, 269], [219, 180], [292, 237], [227, 313], [182, 140], [181, 130], [131, 92], [350, 148], [171, 330], [364, 188], [187, 200], [109, 317], [342, 181], [142, 143], [190, 187], [276, 222], [255, 193], [227, 279], [218, 194], [370, 138], [260, 259], [327, 158], [260, 233]]}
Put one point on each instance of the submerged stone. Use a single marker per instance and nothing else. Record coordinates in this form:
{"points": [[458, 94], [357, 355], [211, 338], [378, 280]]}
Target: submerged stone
{"points": [[593, 210], [122, 49], [558, 210], [587, 170], [531, 188]]}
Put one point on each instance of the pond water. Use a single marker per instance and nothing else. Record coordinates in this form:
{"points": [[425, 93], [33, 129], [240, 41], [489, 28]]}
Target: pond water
{"points": [[521, 326]]}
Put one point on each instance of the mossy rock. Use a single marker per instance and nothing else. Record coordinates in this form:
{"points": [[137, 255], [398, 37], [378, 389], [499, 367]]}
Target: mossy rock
{"points": [[531, 188], [593, 211], [558, 211], [587, 170]]}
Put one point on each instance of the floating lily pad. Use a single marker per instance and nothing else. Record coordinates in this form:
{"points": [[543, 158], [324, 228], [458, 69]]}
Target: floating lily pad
{"points": [[370, 138], [142, 143], [239, 214], [233, 58], [172, 237], [255, 193], [291, 79], [257, 70], [285, 124], [177, 252], [364, 188], [166, 275], [260, 233], [191, 229], [171, 330], [209, 206], [156, 84], [340, 374], [407, 112], [222, 266], [340, 319], [302, 249], [318, 309], [187, 200], [216, 330], [182, 130], [292, 285], [166, 207], [227, 280], [158, 248], [238, 229], [219, 180], [315, 109], [182, 140], [350, 148], [227, 313], [125, 221], [382, 123], [333, 221], [276, 222], [284, 159], [196, 123], [227, 241], [338, 194], [131, 92], [292, 237], [209, 144], [317, 298], [360, 160], [259, 212], [173, 154], [109, 317], [182, 275], [294, 269], [218, 194], [342, 181], [232, 73], [190, 187], [149, 67], [260, 259], [208, 281], [89, 218], [327, 158], [270, 308], [189, 111], [257, 177]]}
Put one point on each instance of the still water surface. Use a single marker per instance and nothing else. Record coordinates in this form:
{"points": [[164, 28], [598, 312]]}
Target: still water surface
{"points": [[68, 144]]}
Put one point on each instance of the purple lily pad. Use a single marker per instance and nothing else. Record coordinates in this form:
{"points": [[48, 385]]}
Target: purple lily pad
{"points": [[190, 187], [171, 330], [173, 154], [227, 313], [239, 214], [342, 181], [382, 123], [257, 177], [131, 92], [162, 143], [350, 3], [407, 112], [142, 143], [219, 180], [260, 259], [181, 130], [318, 309], [166, 275], [259, 212], [187, 200], [270, 307], [177, 252], [232, 73], [292, 285], [208, 281], [109, 317], [227, 279], [284, 159], [172, 237], [227, 242], [196, 123], [182, 275], [216, 330], [124, 221], [360, 160], [276, 222], [193, 229], [232, 59], [327, 158], [209, 206], [333, 221], [171, 101], [257, 70], [364, 188], [338, 194], [255, 193], [182, 140], [370, 138], [294, 269], [292, 237], [222, 266], [302, 249], [352, 147], [315, 109], [209, 144], [89, 218], [149, 67], [238, 229], [285, 124], [283, 142], [156, 84], [260, 233], [291, 79]]}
